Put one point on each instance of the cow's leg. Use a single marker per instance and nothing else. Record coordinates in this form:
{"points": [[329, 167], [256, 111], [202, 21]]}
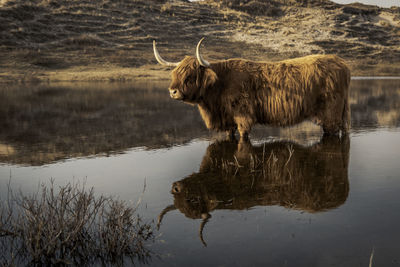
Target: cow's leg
{"points": [[244, 150], [243, 125], [330, 117], [231, 134], [328, 131], [244, 134]]}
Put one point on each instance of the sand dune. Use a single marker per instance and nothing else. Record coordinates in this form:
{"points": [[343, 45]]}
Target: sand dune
{"points": [[111, 40]]}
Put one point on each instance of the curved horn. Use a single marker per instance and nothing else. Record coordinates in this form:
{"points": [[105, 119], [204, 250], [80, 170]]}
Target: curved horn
{"points": [[205, 217], [201, 60], [163, 212], [160, 59]]}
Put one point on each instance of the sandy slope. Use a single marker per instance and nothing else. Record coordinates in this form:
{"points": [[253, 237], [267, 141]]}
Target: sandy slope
{"points": [[112, 40]]}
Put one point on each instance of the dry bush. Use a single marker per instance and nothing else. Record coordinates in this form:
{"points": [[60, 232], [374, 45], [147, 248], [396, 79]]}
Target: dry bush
{"points": [[71, 226]]}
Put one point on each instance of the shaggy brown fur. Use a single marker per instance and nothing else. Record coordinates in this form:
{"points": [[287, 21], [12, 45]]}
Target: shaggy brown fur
{"points": [[237, 94]]}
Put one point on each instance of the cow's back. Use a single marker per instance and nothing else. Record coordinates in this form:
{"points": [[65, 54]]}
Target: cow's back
{"points": [[293, 88]]}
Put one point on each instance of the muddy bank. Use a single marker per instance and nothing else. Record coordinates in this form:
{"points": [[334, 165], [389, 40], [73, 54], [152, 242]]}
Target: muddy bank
{"points": [[102, 40]]}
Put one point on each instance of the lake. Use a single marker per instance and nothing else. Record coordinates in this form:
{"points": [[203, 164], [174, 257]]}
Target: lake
{"points": [[289, 197]]}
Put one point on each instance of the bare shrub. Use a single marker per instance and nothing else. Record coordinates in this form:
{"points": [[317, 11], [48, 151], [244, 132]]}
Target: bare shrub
{"points": [[71, 226]]}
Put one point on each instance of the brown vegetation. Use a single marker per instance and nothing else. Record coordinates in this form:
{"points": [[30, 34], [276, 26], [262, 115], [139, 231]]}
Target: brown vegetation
{"points": [[111, 40], [70, 226]]}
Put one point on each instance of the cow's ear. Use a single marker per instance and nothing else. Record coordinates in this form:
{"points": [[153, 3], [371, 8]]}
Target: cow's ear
{"points": [[209, 78]]}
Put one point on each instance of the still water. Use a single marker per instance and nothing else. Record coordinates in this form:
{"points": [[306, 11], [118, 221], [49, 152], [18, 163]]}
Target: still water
{"points": [[290, 197]]}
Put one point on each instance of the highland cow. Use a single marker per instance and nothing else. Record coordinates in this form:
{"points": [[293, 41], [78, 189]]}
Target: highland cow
{"points": [[237, 94]]}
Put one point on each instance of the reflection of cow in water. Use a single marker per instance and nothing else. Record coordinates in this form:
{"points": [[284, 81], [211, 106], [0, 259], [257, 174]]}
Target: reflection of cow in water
{"points": [[239, 176]]}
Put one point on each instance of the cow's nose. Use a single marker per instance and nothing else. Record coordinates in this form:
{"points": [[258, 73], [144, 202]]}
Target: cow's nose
{"points": [[173, 92]]}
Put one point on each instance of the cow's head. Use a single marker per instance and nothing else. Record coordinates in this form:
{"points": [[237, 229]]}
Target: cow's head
{"points": [[191, 77]]}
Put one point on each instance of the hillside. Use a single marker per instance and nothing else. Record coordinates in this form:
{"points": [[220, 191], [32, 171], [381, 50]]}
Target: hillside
{"points": [[50, 40]]}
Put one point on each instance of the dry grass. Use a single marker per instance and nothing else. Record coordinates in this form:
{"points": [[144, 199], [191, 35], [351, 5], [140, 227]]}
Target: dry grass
{"points": [[252, 163], [69, 36], [70, 226]]}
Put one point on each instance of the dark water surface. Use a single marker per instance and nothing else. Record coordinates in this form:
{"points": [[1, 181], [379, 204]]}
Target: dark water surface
{"points": [[290, 197]]}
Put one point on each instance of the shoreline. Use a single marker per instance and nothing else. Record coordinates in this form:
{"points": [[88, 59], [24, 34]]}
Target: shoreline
{"points": [[145, 73]]}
